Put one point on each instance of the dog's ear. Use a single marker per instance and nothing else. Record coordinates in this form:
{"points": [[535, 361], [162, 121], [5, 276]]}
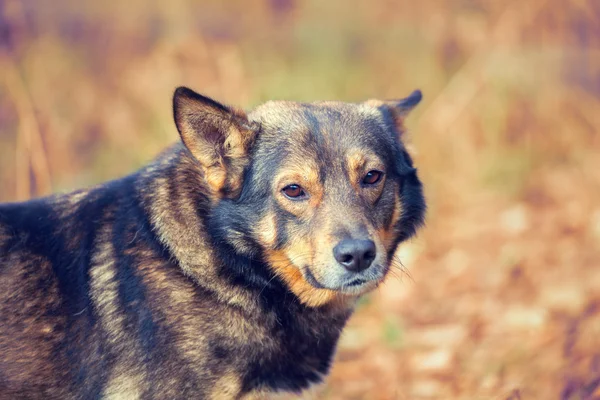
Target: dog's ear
{"points": [[399, 109], [219, 137]]}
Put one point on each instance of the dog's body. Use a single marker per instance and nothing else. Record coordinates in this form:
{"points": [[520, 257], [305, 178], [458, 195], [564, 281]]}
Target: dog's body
{"points": [[209, 273]]}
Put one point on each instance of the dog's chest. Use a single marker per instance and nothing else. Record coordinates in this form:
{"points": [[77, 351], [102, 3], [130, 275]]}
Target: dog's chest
{"points": [[303, 343]]}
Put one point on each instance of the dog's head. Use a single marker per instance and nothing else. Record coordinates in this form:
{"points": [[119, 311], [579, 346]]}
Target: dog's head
{"points": [[322, 192]]}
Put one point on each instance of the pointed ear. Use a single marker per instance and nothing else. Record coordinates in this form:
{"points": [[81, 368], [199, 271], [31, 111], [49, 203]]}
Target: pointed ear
{"points": [[399, 109], [219, 137]]}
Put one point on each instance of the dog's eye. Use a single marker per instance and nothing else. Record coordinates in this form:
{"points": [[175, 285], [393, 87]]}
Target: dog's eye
{"points": [[372, 177], [293, 192]]}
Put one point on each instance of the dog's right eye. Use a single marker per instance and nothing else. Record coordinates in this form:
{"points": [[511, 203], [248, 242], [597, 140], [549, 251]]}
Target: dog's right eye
{"points": [[294, 192]]}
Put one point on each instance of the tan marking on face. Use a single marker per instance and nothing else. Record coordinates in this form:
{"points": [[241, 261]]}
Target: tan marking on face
{"points": [[300, 173], [267, 230], [281, 264], [359, 163], [304, 173], [387, 233], [355, 162]]}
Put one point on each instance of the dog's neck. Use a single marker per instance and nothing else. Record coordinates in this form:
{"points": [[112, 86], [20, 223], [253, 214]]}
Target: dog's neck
{"points": [[172, 193]]}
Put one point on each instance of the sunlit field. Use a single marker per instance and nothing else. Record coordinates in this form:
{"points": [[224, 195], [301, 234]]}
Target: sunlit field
{"points": [[499, 296]]}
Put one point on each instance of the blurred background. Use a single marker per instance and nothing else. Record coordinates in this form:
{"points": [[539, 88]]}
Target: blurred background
{"points": [[500, 295]]}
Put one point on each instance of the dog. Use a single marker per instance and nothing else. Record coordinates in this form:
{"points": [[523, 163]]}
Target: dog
{"points": [[225, 269]]}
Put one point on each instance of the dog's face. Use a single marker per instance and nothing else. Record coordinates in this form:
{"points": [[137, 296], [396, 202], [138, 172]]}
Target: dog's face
{"points": [[323, 192]]}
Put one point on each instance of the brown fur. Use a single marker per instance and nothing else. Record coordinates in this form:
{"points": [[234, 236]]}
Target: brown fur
{"points": [[197, 276]]}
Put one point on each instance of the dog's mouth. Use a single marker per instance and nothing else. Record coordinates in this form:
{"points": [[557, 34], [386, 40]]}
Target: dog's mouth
{"points": [[356, 282], [310, 278], [362, 284], [352, 286]]}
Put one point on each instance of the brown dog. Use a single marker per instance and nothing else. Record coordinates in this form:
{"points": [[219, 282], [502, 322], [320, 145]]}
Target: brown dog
{"points": [[227, 268]]}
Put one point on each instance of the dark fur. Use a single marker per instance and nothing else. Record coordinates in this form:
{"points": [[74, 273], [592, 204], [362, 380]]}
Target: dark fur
{"points": [[156, 286]]}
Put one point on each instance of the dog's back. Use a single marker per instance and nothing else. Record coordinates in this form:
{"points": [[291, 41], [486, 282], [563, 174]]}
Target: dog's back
{"points": [[90, 301], [47, 317]]}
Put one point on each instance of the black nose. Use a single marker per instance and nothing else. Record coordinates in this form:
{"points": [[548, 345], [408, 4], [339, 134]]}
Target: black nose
{"points": [[355, 255]]}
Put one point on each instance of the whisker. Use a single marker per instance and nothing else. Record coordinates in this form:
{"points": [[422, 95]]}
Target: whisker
{"points": [[395, 274], [397, 263]]}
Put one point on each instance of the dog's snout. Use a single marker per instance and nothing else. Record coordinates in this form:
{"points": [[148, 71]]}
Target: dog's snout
{"points": [[355, 255]]}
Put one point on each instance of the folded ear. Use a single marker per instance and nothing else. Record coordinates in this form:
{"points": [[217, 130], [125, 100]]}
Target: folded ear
{"points": [[399, 109], [219, 137]]}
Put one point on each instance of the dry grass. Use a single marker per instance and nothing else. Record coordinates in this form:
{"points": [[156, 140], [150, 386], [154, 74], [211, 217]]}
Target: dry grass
{"points": [[503, 297]]}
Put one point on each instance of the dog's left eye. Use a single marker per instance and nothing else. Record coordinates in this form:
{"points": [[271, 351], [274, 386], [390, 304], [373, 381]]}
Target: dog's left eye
{"points": [[294, 192], [372, 177]]}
